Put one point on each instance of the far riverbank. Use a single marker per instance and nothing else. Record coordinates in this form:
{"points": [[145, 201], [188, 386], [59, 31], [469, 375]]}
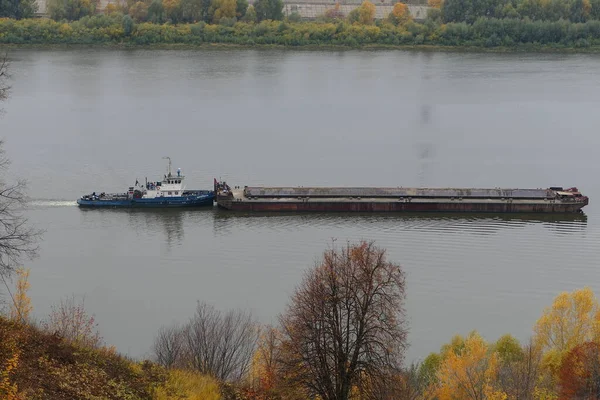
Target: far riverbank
{"points": [[118, 31]]}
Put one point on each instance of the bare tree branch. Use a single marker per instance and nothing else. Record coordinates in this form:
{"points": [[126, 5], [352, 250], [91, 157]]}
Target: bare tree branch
{"points": [[169, 346], [214, 343], [4, 88], [345, 325], [17, 239]]}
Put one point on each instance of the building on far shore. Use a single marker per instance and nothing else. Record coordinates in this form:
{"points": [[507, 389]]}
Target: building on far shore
{"points": [[308, 9]]}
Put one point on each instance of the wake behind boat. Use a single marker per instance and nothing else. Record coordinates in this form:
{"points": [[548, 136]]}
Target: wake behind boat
{"points": [[168, 192]]}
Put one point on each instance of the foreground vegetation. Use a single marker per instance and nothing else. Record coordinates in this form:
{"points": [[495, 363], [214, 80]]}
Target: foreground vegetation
{"points": [[342, 337]]}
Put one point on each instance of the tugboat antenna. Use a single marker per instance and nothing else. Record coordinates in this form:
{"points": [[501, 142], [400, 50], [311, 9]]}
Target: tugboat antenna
{"points": [[169, 169]]}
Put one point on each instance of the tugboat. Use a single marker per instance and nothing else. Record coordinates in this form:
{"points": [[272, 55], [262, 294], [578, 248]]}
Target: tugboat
{"points": [[166, 193]]}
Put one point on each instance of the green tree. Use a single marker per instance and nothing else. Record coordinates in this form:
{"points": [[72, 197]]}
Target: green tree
{"points": [[250, 15], [269, 9], [156, 12], [580, 10], [191, 10], [128, 25], [354, 16], [18, 9], [71, 10], [240, 8]]}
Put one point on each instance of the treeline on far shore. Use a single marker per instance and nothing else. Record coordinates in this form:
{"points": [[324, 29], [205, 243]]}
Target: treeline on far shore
{"points": [[477, 23], [484, 32]]}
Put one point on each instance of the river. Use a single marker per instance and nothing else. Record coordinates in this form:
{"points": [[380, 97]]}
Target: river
{"points": [[88, 120]]}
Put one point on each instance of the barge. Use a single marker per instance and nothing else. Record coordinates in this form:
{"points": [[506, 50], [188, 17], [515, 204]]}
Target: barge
{"points": [[399, 199]]}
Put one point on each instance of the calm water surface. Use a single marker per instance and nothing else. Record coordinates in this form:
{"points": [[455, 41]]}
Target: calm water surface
{"points": [[95, 120]]}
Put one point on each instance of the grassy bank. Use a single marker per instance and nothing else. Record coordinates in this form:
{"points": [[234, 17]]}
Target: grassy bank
{"points": [[35, 364], [492, 34]]}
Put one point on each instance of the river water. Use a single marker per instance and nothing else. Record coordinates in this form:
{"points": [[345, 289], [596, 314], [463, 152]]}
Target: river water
{"points": [[96, 120]]}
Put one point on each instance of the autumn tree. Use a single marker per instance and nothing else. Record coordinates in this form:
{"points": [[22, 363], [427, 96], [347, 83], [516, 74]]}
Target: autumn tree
{"points": [[139, 11], [345, 322], [518, 369], [334, 13], [172, 10], [366, 13], [223, 9], [580, 372], [467, 370], [400, 14], [435, 3], [20, 308], [70, 320], [264, 367], [572, 320]]}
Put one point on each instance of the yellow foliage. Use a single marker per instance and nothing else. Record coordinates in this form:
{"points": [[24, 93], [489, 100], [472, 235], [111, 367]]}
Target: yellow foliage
{"points": [[435, 3], [544, 394], [366, 13], [170, 6], [263, 368], [573, 318], [468, 372], [111, 8], [187, 385], [65, 29], [223, 9], [587, 8], [20, 309], [8, 364]]}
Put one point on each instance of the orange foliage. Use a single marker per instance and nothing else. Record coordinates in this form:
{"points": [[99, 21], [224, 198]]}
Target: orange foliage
{"points": [[400, 10], [467, 372], [579, 373], [335, 12], [435, 3], [264, 362]]}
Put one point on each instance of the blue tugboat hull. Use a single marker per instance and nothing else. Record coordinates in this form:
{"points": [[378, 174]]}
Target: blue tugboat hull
{"points": [[162, 202]]}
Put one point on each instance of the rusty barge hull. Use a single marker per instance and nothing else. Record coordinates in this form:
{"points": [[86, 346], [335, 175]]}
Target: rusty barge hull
{"points": [[364, 199]]}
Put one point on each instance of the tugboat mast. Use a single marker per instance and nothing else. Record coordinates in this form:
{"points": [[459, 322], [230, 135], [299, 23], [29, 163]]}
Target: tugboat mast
{"points": [[169, 167]]}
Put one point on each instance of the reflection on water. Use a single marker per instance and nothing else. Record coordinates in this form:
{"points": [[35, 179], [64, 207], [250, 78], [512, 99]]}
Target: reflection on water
{"points": [[167, 221], [171, 222], [479, 224]]}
